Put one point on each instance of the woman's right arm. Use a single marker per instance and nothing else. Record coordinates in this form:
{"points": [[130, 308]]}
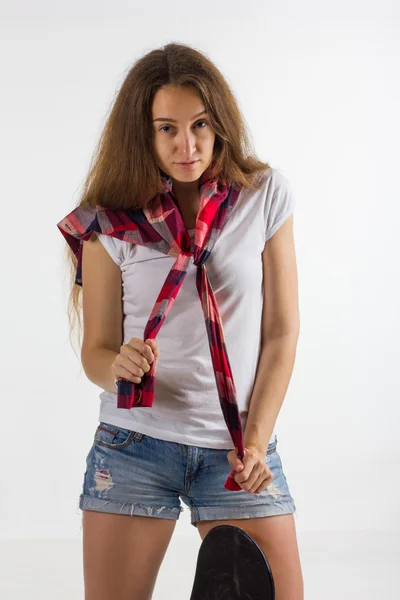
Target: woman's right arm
{"points": [[102, 313], [103, 355]]}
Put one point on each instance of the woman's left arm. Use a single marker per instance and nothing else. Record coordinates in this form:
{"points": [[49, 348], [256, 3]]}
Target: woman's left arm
{"points": [[280, 332]]}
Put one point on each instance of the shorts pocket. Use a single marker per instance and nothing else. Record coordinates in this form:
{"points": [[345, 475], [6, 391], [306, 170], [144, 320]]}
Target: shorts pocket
{"points": [[114, 437]]}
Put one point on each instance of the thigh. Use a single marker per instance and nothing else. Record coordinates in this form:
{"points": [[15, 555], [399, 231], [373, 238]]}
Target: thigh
{"points": [[268, 517], [122, 554], [130, 507], [276, 535]]}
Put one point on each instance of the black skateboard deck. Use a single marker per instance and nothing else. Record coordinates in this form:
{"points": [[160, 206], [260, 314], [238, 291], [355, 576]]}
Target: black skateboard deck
{"points": [[232, 566]]}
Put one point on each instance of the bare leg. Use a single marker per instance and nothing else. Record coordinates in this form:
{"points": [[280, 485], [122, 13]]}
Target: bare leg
{"points": [[276, 535], [122, 554]]}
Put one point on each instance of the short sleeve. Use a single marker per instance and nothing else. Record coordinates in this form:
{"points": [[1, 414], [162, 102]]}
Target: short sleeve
{"points": [[114, 247], [279, 203]]}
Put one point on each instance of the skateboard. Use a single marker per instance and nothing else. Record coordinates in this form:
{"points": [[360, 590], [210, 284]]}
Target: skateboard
{"points": [[232, 566]]}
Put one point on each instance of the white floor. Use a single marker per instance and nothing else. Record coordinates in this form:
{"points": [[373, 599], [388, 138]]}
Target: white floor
{"points": [[336, 565]]}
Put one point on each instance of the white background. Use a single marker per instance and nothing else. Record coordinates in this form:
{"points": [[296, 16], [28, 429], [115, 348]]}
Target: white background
{"points": [[318, 85]]}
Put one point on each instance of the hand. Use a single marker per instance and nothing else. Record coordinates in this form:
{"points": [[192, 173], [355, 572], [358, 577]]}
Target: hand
{"points": [[252, 474], [134, 359]]}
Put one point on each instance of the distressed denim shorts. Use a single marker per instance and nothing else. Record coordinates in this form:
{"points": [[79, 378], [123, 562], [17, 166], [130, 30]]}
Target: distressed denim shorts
{"points": [[131, 473]]}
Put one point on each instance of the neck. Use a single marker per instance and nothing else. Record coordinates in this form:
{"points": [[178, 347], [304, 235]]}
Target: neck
{"points": [[187, 197], [183, 189]]}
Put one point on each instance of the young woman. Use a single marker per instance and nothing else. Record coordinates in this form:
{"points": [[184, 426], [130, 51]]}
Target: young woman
{"points": [[182, 246]]}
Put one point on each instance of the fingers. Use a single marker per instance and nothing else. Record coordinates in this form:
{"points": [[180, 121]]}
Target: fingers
{"points": [[255, 476], [140, 353], [257, 482], [249, 476], [260, 484], [135, 358], [120, 371], [235, 461], [154, 346], [149, 349]]}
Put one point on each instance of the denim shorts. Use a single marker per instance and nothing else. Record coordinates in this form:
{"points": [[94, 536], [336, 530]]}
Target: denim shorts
{"points": [[132, 473]]}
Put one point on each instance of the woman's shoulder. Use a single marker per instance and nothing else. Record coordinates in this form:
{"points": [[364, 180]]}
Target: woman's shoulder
{"points": [[274, 177], [118, 249]]}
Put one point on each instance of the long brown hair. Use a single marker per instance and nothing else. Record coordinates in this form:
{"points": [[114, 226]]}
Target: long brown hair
{"points": [[123, 172]]}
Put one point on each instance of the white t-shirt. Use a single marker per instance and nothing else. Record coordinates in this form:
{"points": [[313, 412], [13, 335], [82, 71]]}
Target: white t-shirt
{"points": [[186, 406]]}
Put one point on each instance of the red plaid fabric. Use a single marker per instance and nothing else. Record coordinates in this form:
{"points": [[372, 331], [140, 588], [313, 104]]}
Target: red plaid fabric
{"points": [[163, 229]]}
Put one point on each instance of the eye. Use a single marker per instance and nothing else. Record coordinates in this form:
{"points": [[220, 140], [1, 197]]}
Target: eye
{"points": [[164, 126]]}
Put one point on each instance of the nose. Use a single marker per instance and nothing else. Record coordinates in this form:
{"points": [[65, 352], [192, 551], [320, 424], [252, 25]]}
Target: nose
{"points": [[186, 144]]}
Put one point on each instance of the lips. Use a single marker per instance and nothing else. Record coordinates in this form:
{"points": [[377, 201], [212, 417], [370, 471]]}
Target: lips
{"points": [[188, 163]]}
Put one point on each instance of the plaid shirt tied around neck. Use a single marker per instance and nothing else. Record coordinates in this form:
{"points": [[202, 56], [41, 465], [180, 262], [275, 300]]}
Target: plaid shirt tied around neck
{"points": [[161, 227]]}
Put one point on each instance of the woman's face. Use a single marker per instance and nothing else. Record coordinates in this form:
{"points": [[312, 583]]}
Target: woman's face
{"points": [[182, 133]]}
